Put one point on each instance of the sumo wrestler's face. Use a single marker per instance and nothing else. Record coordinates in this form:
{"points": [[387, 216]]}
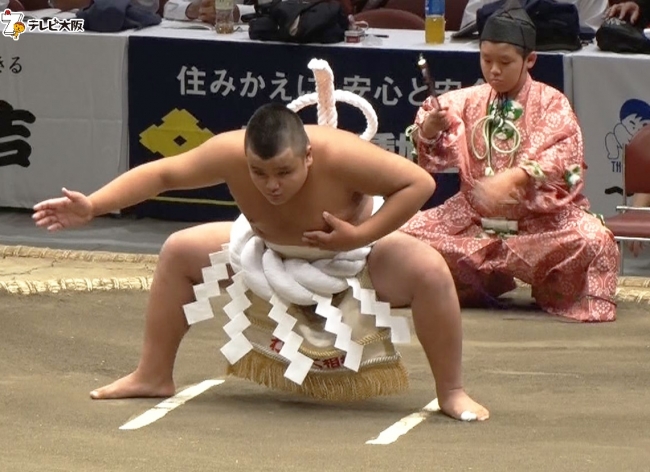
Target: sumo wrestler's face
{"points": [[504, 66], [282, 176]]}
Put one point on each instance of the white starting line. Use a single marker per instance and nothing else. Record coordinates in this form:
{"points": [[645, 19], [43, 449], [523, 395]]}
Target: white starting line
{"points": [[164, 407], [403, 426], [387, 436]]}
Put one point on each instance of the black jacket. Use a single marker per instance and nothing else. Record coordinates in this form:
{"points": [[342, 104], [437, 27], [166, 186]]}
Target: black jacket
{"points": [[644, 18]]}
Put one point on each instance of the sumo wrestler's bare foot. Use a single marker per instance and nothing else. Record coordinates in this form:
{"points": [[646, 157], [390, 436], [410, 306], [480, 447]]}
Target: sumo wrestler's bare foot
{"points": [[132, 386], [457, 404]]}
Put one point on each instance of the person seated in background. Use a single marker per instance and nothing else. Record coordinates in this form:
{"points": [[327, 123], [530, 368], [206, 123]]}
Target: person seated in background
{"points": [[203, 10], [590, 12], [520, 211], [638, 200], [636, 12], [65, 5]]}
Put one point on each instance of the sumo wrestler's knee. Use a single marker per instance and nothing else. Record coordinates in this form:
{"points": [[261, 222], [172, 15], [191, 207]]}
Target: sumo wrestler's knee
{"points": [[176, 255], [428, 270], [174, 248]]}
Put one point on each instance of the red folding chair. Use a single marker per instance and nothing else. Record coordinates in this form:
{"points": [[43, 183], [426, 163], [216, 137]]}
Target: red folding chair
{"points": [[633, 223], [15, 5]]}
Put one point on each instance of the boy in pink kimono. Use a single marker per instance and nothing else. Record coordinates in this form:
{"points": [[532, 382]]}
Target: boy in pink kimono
{"points": [[520, 211]]}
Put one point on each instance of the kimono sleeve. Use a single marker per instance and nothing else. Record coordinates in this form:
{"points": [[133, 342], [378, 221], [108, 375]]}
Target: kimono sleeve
{"points": [[554, 160]]}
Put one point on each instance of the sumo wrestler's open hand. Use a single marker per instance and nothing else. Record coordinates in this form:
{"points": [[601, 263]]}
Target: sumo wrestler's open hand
{"points": [[342, 236], [73, 209]]}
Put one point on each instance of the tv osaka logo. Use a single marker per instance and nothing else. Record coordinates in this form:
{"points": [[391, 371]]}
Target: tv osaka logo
{"points": [[15, 24]]}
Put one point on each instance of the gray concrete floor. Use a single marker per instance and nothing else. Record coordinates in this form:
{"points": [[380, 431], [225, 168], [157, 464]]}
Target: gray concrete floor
{"points": [[563, 397]]}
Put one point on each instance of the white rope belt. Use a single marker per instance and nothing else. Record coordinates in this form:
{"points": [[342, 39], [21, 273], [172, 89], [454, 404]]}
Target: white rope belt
{"points": [[283, 282]]}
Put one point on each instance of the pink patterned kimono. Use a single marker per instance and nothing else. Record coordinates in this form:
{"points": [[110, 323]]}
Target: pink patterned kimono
{"points": [[567, 255]]}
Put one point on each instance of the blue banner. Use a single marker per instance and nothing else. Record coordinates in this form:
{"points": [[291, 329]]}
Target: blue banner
{"points": [[182, 92]]}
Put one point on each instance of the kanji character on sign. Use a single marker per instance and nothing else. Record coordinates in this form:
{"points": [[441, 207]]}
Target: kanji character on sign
{"points": [[192, 81], [357, 85], [404, 146], [383, 92], [385, 141], [446, 85], [401, 145], [14, 133]]}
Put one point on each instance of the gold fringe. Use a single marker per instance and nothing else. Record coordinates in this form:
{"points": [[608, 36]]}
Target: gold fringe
{"points": [[89, 256], [370, 381]]}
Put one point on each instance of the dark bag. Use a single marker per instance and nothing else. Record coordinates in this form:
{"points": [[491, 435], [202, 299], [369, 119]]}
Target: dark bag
{"points": [[298, 21], [620, 36], [109, 16], [557, 24]]}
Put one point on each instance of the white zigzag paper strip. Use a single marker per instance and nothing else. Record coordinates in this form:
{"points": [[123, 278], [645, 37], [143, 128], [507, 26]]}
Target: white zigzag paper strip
{"points": [[400, 332], [299, 364], [238, 346]]}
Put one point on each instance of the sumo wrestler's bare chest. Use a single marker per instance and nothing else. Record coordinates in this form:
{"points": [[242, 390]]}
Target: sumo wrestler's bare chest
{"points": [[285, 224]]}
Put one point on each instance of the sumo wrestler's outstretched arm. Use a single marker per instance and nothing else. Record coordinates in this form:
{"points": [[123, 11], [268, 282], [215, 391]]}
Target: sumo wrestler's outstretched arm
{"points": [[202, 166]]}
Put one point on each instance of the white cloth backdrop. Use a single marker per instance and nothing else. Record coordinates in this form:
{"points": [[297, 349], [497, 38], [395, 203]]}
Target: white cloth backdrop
{"points": [[611, 96], [75, 86]]}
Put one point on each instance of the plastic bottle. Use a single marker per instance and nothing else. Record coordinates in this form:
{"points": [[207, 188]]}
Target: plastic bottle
{"points": [[225, 12], [434, 27]]}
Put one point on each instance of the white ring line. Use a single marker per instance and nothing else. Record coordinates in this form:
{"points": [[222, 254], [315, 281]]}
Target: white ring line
{"points": [[164, 407], [403, 426]]}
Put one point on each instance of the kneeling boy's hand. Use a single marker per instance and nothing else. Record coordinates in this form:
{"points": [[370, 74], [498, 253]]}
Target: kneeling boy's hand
{"points": [[434, 123]]}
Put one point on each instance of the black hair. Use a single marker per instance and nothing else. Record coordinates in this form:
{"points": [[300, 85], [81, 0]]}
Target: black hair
{"points": [[272, 129]]}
